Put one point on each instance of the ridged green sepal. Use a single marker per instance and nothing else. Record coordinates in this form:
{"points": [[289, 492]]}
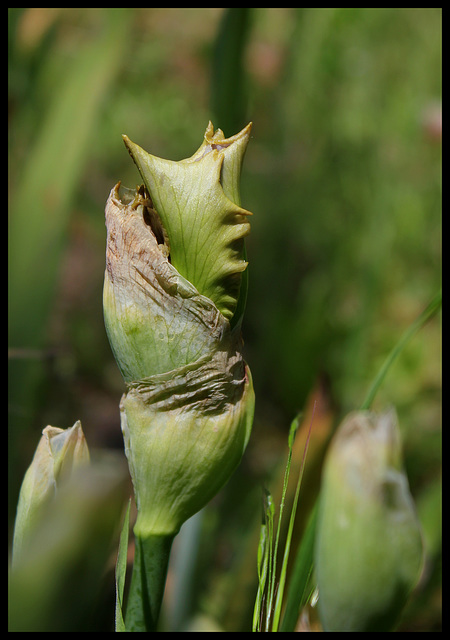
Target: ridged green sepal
{"points": [[198, 203]]}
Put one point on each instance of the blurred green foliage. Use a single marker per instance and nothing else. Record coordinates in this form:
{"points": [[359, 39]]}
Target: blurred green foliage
{"points": [[344, 178]]}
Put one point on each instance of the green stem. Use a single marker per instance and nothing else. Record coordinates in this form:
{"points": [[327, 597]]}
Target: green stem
{"points": [[147, 583]]}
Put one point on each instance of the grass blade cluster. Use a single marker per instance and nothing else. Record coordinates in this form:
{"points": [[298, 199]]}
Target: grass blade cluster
{"points": [[265, 557], [300, 587], [269, 599]]}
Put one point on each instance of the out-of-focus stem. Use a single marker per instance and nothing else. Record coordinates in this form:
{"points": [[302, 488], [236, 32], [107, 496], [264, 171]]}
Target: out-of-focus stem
{"points": [[147, 583]]}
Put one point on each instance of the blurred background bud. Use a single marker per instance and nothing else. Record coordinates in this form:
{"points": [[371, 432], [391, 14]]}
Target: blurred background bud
{"points": [[65, 573], [58, 454], [369, 545]]}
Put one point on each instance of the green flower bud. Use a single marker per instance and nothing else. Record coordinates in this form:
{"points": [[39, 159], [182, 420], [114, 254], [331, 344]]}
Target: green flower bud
{"points": [[55, 582], [368, 545], [58, 453], [173, 300], [201, 213]]}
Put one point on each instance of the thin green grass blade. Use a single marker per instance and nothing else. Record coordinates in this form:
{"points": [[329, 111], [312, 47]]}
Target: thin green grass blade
{"points": [[270, 514], [433, 307], [268, 548], [121, 570], [273, 566], [280, 593], [299, 586], [262, 565]]}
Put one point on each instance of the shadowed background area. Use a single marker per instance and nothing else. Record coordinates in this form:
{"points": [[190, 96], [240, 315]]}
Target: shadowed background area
{"points": [[343, 176]]}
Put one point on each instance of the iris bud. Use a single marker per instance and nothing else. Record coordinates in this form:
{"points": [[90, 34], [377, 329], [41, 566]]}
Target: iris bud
{"points": [[58, 454], [174, 294], [369, 544]]}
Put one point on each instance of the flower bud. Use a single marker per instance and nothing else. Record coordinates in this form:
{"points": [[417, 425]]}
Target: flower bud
{"points": [[197, 201], [368, 544], [58, 453], [173, 299]]}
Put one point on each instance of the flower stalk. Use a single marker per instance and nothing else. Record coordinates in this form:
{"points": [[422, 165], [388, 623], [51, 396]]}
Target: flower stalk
{"points": [[174, 296], [148, 581]]}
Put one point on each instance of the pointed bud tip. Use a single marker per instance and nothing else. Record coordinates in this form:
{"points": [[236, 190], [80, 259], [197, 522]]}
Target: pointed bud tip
{"points": [[129, 145], [218, 137]]}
